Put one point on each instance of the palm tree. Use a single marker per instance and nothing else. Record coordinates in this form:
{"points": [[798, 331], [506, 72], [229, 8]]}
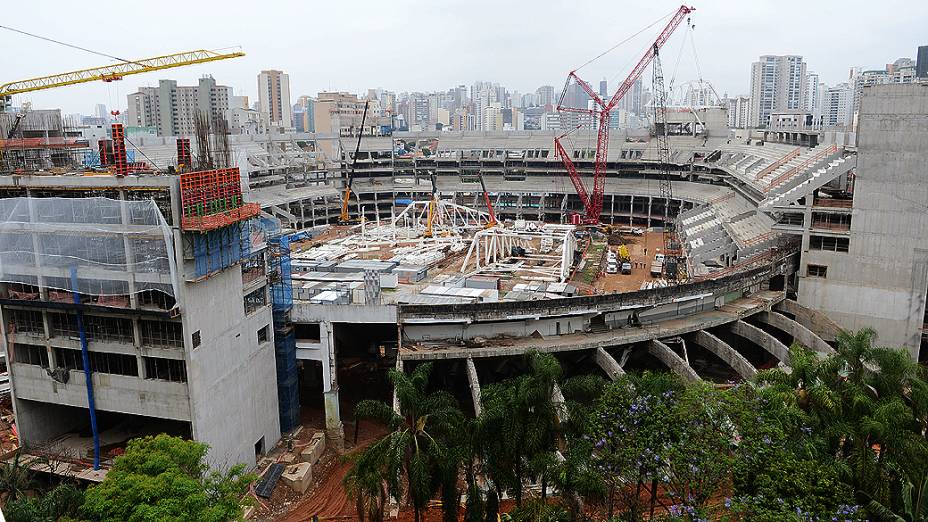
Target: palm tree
{"points": [[518, 423], [914, 505], [417, 447]]}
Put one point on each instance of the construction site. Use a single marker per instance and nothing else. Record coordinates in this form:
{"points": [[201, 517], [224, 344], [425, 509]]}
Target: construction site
{"points": [[248, 291]]}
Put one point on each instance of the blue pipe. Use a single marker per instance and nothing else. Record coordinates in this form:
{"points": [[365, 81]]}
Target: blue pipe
{"points": [[88, 374]]}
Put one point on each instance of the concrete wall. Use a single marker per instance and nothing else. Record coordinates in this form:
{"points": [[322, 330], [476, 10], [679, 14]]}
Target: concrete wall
{"points": [[881, 282], [118, 393], [232, 378]]}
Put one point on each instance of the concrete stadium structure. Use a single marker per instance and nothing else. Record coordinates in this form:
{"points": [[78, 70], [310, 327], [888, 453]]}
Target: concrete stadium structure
{"points": [[764, 218]]}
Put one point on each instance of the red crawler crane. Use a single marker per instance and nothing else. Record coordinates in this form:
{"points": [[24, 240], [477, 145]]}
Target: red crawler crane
{"points": [[593, 203]]}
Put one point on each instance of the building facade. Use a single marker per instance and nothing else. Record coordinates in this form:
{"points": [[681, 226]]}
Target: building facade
{"points": [[178, 326], [869, 267], [778, 83], [172, 109], [274, 99]]}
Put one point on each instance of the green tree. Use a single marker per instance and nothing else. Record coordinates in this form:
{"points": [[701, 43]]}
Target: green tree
{"points": [[166, 478], [417, 451], [518, 425], [914, 505], [63, 501]]}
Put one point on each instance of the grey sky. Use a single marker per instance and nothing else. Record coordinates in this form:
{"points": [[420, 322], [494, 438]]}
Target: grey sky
{"points": [[405, 45]]}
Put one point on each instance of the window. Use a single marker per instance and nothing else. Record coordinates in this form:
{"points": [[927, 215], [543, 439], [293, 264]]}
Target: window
{"points": [[263, 334], [115, 363], [30, 354], [167, 334], [165, 369], [255, 300], [307, 331], [817, 271], [196, 338], [834, 244], [26, 321], [69, 359]]}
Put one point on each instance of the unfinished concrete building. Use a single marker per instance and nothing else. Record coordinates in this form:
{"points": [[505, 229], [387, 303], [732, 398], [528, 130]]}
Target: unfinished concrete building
{"points": [[173, 312]]}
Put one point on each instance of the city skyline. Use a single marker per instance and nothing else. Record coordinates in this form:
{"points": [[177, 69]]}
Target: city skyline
{"points": [[452, 56]]}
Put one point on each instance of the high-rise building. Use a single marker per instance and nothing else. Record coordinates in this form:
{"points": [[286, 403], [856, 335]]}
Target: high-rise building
{"points": [[632, 102], [274, 98], [739, 108], [493, 117], [99, 110], [546, 95], [304, 114], [603, 88], [921, 62], [172, 109], [778, 83], [837, 106], [815, 90]]}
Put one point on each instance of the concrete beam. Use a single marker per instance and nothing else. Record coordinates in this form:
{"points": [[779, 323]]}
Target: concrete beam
{"points": [[800, 333], [725, 352], [771, 344], [474, 384], [607, 363], [815, 321], [672, 360]]}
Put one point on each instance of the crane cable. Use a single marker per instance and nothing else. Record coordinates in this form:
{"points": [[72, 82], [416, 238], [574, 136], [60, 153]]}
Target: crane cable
{"points": [[59, 42], [616, 46]]}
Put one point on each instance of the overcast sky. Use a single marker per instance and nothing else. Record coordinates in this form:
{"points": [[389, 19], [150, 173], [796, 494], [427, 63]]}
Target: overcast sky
{"points": [[427, 45]]}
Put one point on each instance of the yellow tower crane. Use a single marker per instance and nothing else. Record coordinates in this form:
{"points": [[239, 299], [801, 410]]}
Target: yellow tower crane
{"points": [[109, 73]]}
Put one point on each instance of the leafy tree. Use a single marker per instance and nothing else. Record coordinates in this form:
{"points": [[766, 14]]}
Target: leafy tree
{"points": [[166, 478], [63, 501], [417, 447]]}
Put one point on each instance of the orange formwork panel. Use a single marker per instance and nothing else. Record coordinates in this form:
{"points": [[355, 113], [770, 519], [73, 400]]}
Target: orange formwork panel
{"points": [[212, 199]]}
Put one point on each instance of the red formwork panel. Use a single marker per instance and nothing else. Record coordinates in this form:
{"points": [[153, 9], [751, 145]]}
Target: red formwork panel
{"points": [[120, 164], [212, 199]]}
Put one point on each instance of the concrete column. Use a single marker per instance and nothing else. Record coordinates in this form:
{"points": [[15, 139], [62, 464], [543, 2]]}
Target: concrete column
{"points": [[650, 200], [396, 399], [474, 384], [335, 430], [560, 408], [608, 363], [672, 360], [761, 338], [801, 334], [725, 352]]}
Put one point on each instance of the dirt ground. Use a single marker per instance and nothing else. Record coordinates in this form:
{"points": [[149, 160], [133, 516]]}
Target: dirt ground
{"points": [[641, 264], [326, 497]]}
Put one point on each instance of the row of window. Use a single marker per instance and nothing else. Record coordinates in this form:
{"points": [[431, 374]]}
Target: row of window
{"points": [[102, 362], [103, 329]]}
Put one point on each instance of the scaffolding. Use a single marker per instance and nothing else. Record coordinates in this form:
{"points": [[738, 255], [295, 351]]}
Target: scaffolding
{"points": [[288, 391], [116, 247]]}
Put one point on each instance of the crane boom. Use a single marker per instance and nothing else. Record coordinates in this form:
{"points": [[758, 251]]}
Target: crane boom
{"points": [[593, 202], [108, 73], [486, 199], [354, 161]]}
